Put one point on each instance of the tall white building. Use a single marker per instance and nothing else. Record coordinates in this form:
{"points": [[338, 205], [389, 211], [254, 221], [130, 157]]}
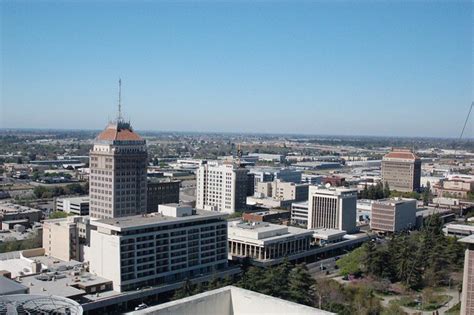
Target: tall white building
{"points": [[221, 186], [152, 249], [332, 208], [118, 167]]}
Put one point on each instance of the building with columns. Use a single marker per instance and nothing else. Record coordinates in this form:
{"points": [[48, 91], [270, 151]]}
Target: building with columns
{"points": [[263, 242]]}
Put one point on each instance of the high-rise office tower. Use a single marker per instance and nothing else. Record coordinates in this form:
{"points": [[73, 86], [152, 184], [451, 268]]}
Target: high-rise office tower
{"points": [[118, 167], [221, 186], [401, 169], [332, 208]]}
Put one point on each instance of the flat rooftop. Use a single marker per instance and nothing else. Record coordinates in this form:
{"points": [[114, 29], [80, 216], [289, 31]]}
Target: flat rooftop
{"points": [[154, 218], [328, 232], [9, 286], [231, 300], [8, 207], [394, 201], [76, 199], [468, 239], [263, 232]]}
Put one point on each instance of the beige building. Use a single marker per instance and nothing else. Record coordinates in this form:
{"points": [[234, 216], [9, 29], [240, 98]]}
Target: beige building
{"points": [[467, 297], [332, 208], [401, 169], [283, 190], [393, 215], [64, 238], [263, 242], [457, 186], [118, 166], [221, 186]]}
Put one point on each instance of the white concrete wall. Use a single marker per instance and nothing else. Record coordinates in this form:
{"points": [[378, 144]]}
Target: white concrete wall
{"points": [[104, 257], [201, 304], [249, 302]]}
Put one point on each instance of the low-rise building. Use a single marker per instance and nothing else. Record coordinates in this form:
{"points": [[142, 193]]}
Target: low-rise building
{"points": [[312, 179], [262, 241], [334, 180], [161, 192], [74, 205], [267, 157], [299, 213], [269, 174], [458, 230], [267, 203], [457, 186], [282, 190], [11, 212], [393, 215], [323, 237], [266, 216], [364, 210]]}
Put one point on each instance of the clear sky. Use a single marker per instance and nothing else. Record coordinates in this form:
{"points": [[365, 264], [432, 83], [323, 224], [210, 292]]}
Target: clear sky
{"points": [[400, 68]]}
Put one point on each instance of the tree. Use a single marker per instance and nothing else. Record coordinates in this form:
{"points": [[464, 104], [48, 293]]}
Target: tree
{"points": [[39, 191], [58, 215], [185, 291], [386, 190], [364, 193], [427, 196], [351, 263], [300, 285], [393, 309], [276, 280]]}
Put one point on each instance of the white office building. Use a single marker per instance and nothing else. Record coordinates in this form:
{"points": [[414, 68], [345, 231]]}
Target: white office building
{"points": [[332, 208], [74, 205], [158, 248], [221, 186], [299, 213]]}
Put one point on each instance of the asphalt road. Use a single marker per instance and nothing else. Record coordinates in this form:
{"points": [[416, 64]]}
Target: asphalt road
{"points": [[320, 268]]}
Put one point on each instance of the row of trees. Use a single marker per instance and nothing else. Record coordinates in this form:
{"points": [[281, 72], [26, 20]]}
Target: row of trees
{"points": [[417, 259], [71, 189], [14, 245], [285, 281], [189, 289], [378, 191], [294, 283]]}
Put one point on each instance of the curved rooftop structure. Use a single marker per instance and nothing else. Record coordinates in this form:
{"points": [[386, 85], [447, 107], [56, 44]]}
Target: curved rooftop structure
{"points": [[120, 131], [401, 154], [38, 304]]}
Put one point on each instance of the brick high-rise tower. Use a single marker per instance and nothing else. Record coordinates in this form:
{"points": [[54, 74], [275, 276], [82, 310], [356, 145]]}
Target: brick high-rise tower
{"points": [[118, 169]]}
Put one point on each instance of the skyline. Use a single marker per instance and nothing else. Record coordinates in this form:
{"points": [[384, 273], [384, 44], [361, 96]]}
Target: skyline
{"points": [[277, 68]]}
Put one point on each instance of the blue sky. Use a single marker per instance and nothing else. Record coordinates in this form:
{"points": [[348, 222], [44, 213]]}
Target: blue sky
{"points": [[351, 68]]}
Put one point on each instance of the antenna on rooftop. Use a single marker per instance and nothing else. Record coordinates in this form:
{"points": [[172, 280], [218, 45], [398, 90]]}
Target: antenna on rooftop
{"points": [[119, 117]]}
